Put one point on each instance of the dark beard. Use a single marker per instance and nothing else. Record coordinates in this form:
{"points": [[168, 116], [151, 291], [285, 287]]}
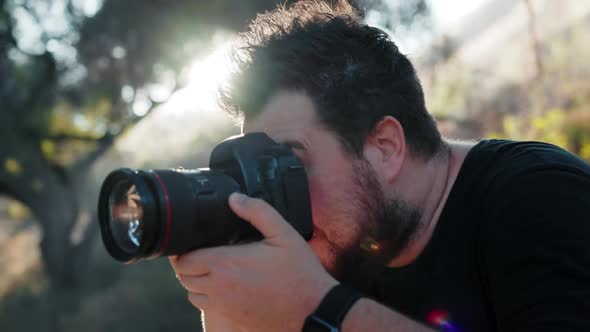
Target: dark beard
{"points": [[387, 228]]}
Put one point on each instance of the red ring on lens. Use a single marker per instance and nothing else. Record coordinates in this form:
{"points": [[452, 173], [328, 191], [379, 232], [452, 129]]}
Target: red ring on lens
{"points": [[168, 214]]}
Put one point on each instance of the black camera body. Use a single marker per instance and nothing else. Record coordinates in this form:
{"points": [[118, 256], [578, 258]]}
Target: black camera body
{"points": [[152, 213]]}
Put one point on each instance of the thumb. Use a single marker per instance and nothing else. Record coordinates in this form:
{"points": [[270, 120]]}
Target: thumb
{"points": [[260, 214], [215, 322]]}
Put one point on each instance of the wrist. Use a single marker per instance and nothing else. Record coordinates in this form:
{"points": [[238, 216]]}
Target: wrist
{"points": [[332, 310], [315, 296], [356, 312]]}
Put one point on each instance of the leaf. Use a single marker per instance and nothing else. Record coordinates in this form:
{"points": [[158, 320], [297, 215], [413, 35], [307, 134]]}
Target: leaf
{"points": [[13, 166]]}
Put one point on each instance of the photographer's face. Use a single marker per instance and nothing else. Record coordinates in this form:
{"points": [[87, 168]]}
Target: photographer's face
{"points": [[353, 221]]}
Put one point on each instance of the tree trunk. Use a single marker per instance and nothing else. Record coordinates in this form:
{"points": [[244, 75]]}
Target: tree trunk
{"points": [[26, 175], [534, 37]]}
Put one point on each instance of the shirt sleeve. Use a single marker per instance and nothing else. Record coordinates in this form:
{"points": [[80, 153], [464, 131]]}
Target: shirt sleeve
{"points": [[535, 253]]}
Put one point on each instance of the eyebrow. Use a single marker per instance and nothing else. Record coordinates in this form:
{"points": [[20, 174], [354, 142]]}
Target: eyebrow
{"points": [[294, 144]]}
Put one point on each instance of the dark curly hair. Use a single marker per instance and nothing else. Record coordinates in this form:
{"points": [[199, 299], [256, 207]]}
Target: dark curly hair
{"points": [[354, 74]]}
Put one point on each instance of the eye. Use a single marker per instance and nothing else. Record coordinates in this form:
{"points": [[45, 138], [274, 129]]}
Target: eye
{"points": [[294, 145], [299, 151], [303, 156]]}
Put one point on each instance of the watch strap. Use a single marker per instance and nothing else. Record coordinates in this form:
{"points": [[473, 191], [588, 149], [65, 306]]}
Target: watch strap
{"points": [[332, 309]]}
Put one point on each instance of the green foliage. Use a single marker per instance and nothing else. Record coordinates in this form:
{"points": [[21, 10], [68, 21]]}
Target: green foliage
{"points": [[569, 129], [547, 127], [560, 100], [18, 211], [554, 107], [13, 166]]}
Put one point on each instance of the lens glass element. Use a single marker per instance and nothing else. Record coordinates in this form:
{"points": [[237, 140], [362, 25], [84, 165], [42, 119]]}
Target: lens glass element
{"points": [[126, 216]]}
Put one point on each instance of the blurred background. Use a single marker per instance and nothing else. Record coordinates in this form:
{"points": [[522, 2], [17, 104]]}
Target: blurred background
{"points": [[90, 85]]}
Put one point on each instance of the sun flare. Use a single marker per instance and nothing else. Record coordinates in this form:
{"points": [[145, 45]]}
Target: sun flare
{"points": [[204, 77]]}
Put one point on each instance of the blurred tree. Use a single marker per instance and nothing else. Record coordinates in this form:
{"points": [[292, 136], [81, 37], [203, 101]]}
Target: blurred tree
{"points": [[534, 38], [555, 108], [70, 85], [74, 76]]}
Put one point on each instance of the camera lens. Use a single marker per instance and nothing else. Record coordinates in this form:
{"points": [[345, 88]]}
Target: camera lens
{"points": [[130, 215], [126, 216], [153, 213]]}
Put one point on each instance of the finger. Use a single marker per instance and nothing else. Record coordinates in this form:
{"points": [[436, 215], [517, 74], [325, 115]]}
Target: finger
{"points": [[181, 268], [190, 264], [260, 214], [201, 301], [214, 321], [195, 284], [198, 262], [172, 260]]}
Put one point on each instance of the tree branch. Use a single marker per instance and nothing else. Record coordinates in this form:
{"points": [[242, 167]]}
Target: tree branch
{"points": [[70, 137], [106, 142]]}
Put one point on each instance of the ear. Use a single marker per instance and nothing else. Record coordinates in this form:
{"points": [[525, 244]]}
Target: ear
{"points": [[385, 148]]}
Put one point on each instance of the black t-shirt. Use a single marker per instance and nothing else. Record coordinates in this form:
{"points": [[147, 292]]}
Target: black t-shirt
{"points": [[511, 251]]}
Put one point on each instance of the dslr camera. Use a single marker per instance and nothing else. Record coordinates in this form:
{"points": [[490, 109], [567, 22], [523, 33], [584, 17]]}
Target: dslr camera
{"points": [[151, 213]]}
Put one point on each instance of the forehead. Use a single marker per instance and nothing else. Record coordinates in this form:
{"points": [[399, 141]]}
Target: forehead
{"points": [[286, 114]]}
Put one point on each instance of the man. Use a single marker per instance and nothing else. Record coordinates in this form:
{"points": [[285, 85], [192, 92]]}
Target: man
{"points": [[425, 234]]}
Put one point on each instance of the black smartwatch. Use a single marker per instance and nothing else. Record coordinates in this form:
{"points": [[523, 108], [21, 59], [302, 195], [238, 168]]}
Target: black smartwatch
{"points": [[330, 313]]}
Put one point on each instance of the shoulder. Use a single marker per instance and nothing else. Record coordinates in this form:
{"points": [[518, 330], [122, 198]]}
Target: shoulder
{"points": [[514, 176], [532, 190], [534, 247], [516, 157], [497, 171]]}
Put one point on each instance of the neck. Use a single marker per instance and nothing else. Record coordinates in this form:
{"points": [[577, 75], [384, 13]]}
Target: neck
{"points": [[429, 184]]}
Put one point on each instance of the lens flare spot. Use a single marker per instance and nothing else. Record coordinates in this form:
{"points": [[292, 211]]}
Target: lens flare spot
{"points": [[441, 320], [371, 245], [436, 317]]}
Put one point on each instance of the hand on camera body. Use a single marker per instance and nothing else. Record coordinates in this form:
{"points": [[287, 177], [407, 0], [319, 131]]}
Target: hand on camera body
{"points": [[268, 285]]}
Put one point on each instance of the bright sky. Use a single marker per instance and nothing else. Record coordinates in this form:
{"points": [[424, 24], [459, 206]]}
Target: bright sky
{"points": [[449, 12], [209, 70], [445, 13]]}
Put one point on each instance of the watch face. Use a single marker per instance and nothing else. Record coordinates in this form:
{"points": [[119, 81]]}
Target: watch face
{"points": [[316, 324]]}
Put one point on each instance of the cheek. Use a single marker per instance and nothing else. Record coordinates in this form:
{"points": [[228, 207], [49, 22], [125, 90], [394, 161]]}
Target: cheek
{"points": [[320, 200], [320, 207], [330, 206]]}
